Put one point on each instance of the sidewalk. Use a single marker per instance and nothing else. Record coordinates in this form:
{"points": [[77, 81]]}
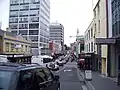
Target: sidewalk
{"points": [[100, 82]]}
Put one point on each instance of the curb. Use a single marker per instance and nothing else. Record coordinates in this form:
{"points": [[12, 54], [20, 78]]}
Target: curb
{"points": [[89, 85]]}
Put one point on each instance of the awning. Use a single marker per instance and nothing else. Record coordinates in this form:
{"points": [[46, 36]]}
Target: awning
{"points": [[105, 41]]}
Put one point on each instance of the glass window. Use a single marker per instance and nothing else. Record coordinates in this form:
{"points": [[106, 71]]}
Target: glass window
{"points": [[34, 45], [23, 26], [12, 47], [91, 32], [23, 13], [13, 20], [13, 26], [5, 80], [91, 46], [23, 32], [48, 74], [34, 38], [40, 75], [26, 80], [7, 47], [14, 32], [99, 27], [33, 32], [34, 19], [21, 20], [95, 28], [13, 1], [32, 26]]}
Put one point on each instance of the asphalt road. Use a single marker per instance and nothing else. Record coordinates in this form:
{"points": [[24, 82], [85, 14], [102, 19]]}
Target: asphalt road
{"points": [[68, 77]]}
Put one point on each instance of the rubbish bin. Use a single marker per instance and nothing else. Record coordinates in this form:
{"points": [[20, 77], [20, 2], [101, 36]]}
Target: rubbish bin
{"points": [[118, 82]]}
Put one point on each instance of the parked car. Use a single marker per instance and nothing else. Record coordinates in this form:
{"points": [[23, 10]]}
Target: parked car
{"points": [[53, 66], [60, 63], [27, 77]]}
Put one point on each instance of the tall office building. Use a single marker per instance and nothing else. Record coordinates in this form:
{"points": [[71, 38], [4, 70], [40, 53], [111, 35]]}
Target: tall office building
{"points": [[57, 33], [31, 18]]}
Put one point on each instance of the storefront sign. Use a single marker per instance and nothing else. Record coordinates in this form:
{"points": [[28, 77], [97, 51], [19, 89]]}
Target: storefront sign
{"points": [[105, 41]]}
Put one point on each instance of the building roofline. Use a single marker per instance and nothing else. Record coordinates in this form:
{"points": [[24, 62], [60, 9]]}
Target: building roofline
{"points": [[89, 25], [96, 5]]}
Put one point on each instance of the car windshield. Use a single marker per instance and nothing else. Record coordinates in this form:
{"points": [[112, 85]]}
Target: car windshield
{"points": [[5, 78]]}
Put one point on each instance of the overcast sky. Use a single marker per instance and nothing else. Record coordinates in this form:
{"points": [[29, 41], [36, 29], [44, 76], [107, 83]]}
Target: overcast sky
{"points": [[72, 14]]}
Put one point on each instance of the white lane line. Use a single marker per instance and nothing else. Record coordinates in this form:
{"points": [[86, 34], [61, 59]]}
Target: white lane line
{"points": [[84, 87], [60, 70]]}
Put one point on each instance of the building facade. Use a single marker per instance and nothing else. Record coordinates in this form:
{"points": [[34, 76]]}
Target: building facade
{"points": [[54, 47], [31, 18], [12, 44], [89, 39], [114, 33], [98, 30], [57, 33]]}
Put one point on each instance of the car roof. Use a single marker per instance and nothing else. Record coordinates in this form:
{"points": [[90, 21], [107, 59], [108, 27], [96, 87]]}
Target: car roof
{"points": [[18, 67]]}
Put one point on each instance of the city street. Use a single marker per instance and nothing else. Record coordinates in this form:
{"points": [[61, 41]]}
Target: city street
{"points": [[69, 78]]}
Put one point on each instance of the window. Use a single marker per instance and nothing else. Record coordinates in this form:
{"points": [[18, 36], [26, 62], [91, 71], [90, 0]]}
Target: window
{"points": [[89, 47], [23, 32], [13, 26], [14, 32], [92, 46], [34, 7], [94, 14], [34, 19], [22, 2], [40, 76], [34, 45], [23, 8], [91, 32], [26, 48], [34, 38], [5, 79], [48, 74], [35, 1], [13, 14], [95, 28], [13, 20], [98, 9], [21, 48], [99, 27], [21, 20], [7, 47], [26, 80], [23, 26], [23, 13], [33, 32], [12, 47], [34, 26], [13, 2]]}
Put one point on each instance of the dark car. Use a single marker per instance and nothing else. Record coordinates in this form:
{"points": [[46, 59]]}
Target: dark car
{"points": [[27, 77]]}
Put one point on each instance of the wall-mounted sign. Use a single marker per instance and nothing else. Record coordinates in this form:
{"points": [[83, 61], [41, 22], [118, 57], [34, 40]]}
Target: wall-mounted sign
{"points": [[105, 41]]}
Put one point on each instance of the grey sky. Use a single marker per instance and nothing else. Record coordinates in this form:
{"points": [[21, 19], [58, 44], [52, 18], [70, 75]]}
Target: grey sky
{"points": [[72, 14]]}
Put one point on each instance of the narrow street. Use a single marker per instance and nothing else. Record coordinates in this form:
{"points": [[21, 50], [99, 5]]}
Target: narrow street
{"points": [[69, 78]]}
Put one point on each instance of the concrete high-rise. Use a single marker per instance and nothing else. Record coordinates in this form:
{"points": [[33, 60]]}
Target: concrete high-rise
{"points": [[31, 18], [57, 33]]}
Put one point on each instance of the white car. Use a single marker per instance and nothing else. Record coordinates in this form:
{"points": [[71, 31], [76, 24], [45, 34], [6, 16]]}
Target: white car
{"points": [[53, 66]]}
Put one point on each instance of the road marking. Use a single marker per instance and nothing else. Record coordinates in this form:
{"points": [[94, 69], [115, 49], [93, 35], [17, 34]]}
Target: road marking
{"points": [[67, 70], [84, 87], [60, 70]]}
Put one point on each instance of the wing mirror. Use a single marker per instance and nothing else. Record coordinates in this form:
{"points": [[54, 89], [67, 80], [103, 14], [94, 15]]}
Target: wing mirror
{"points": [[57, 77]]}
